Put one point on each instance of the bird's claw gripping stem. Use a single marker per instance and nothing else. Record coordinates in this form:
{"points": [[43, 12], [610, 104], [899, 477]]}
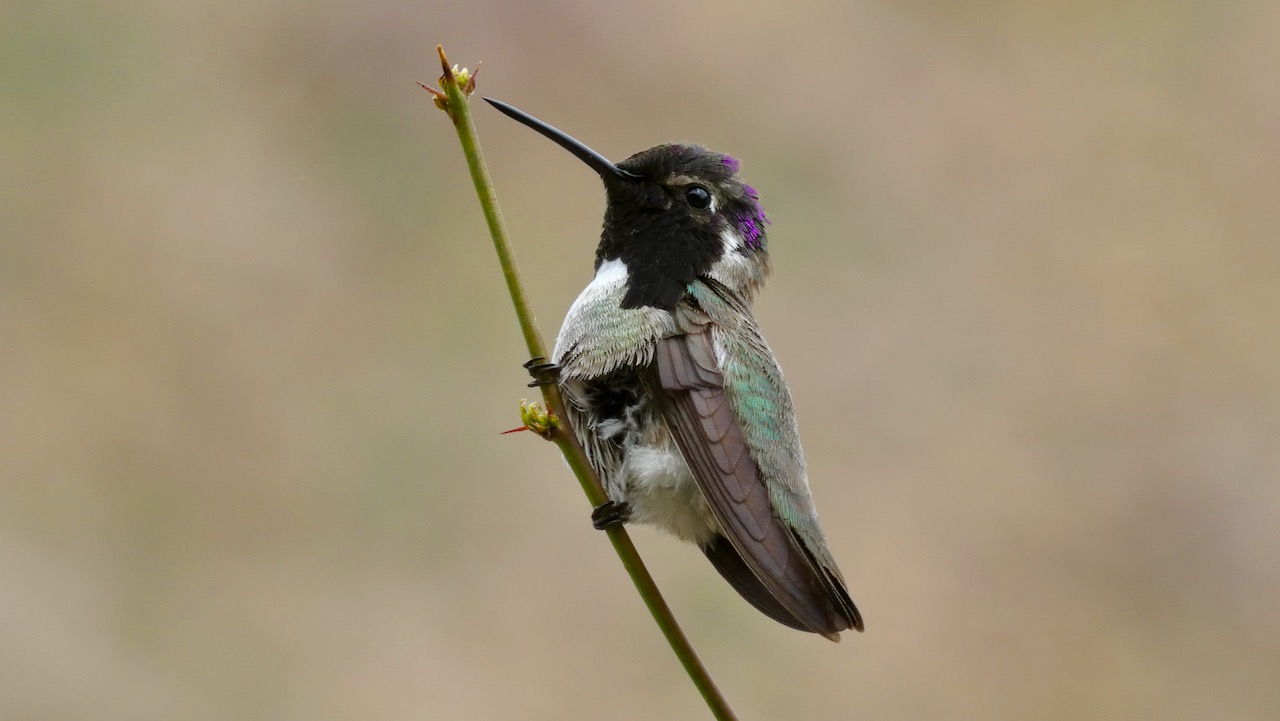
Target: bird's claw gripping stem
{"points": [[609, 514], [543, 372]]}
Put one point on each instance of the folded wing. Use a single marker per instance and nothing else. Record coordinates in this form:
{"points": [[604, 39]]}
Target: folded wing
{"points": [[759, 554]]}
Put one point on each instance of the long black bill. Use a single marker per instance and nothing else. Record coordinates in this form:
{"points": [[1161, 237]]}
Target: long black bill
{"points": [[598, 162]]}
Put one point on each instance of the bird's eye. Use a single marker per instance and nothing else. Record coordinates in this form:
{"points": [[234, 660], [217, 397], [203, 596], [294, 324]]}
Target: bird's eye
{"points": [[698, 197]]}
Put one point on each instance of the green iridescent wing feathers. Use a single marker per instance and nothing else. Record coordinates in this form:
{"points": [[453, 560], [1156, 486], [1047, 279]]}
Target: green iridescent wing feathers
{"points": [[735, 427]]}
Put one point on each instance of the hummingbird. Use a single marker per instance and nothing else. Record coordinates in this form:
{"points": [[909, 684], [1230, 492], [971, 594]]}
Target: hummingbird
{"points": [[672, 390]]}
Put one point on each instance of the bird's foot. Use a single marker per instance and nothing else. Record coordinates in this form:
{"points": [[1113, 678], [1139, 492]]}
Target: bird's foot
{"points": [[544, 372], [610, 514]]}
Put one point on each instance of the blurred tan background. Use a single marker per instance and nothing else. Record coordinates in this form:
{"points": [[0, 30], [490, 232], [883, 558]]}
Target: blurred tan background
{"points": [[255, 353]]}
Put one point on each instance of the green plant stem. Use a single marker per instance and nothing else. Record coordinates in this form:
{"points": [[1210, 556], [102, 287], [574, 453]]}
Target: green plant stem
{"points": [[456, 104]]}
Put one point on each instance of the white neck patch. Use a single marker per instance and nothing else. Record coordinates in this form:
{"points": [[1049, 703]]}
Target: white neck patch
{"points": [[610, 275]]}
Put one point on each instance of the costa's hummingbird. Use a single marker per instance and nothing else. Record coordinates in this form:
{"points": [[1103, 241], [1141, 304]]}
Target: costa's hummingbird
{"points": [[673, 392]]}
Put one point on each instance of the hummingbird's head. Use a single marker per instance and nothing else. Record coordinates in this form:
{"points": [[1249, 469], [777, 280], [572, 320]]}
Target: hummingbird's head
{"points": [[675, 213]]}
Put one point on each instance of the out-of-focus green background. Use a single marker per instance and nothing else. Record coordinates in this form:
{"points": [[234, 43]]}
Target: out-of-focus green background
{"points": [[255, 353]]}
